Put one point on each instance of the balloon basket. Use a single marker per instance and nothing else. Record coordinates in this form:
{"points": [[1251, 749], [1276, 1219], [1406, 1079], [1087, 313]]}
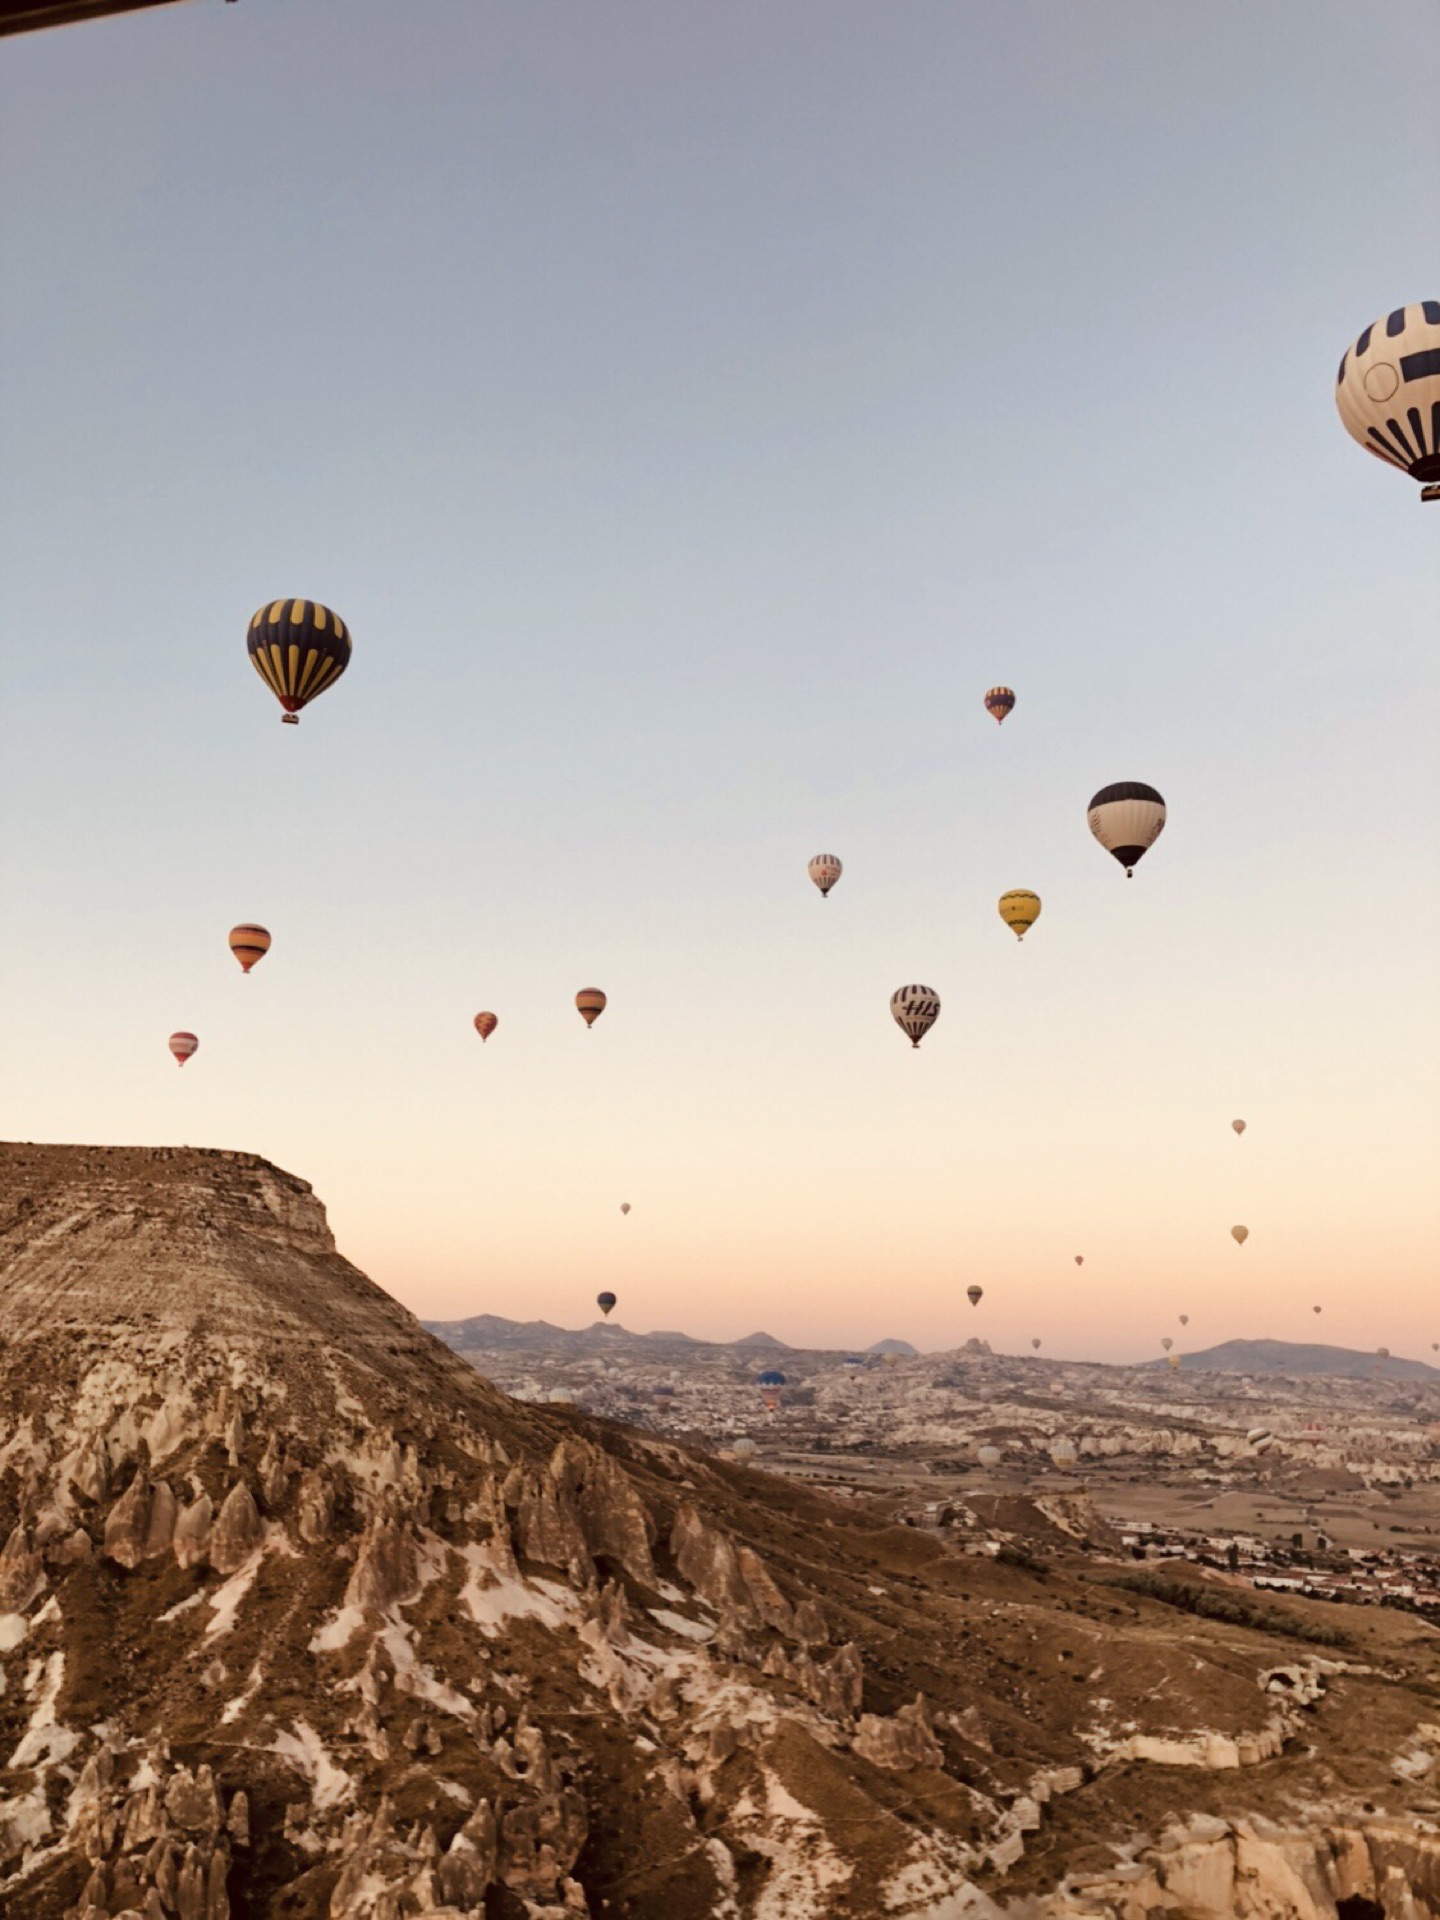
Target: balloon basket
{"points": [[289, 719]]}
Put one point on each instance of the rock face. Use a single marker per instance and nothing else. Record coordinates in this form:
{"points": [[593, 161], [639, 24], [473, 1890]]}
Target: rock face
{"points": [[298, 1615]]}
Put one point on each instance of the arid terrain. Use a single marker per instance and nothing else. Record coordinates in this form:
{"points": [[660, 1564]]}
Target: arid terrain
{"points": [[300, 1614]]}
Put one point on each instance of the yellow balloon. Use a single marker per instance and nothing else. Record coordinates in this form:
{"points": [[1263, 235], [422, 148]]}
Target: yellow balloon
{"points": [[1019, 909]]}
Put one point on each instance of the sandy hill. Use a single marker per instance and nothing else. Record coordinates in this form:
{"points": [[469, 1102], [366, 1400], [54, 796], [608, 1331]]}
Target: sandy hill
{"points": [[1292, 1357], [300, 1617]]}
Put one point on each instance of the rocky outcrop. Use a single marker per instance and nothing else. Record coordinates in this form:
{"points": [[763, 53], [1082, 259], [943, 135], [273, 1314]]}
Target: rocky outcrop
{"points": [[297, 1613]]}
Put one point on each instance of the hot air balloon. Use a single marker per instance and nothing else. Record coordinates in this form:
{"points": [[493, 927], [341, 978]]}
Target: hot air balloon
{"points": [[1019, 909], [249, 943], [999, 701], [974, 1295], [1388, 392], [744, 1448], [915, 1010], [988, 1456], [591, 1002], [1063, 1453], [1126, 819], [1260, 1440], [1435, 1346], [182, 1045], [1184, 1319], [1079, 1259], [1238, 1125], [825, 869], [298, 648], [485, 1025], [1240, 1235], [606, 1303], [853, 1361], [1382, 1353], [1167, 1343], [1174, 1360], [771, 1377], [1036, 1345], [624, 1206], [1314, 1309]]}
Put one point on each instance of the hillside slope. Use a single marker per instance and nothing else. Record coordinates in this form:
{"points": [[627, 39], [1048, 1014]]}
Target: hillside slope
{"points": [[300, 1616]]}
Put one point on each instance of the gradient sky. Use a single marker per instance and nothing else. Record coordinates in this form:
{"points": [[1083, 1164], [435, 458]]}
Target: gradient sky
{"points": [[693, 409]]}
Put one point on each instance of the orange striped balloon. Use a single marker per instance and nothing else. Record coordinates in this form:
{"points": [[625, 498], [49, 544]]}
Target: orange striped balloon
{"points": [[182, 1045], [249, 943], [485, 1025], [591, 1002]]}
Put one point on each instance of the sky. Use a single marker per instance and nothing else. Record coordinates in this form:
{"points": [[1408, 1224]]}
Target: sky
{"points": [[692, 411]]}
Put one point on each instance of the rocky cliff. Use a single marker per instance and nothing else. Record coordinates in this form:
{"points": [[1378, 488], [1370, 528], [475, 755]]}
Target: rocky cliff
{"points": [[300, 1616]]}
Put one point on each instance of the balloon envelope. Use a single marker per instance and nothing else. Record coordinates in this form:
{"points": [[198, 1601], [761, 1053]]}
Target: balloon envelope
{"points": [[1127, 819], [771, 1377], [915, 1010], [974, 1295], [1388, 391], [249, 943], [1019, 909], [999, 701], [591, 1002], [298, 648], [825, 869], [1079, 1259], [182, 1045], [1238, 1125], [1167, 1343], [624, 1206], [1036, 1345], [605, 1302], [485, 1025], [1240, 1235], [1184, 1319]]}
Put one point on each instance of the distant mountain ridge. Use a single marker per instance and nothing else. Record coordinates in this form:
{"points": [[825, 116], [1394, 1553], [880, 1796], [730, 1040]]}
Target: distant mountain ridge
{"points": [[491, 1333], [1297, 1357]]}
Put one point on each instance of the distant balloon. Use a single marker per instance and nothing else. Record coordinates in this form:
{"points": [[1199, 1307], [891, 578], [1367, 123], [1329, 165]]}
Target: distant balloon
{"points": [[1063, 1453], [744, 1448], [1315, 1309], [249, 943], [1184, 1319], [591, 1002], [1127, 819], [771, 1377], [1382, 1353], [1388, 392], [915, 1010], [999, 701], [1079, 1259], [182, 1045], [974, 1295], [606, 1303], [892, 1360], [1174, 1360], [1167, 1343], [1260, 1439], [1238, 1125], [485, 1025], [1240, 1235], [852, 1360], [989, 1456], [1036, 1345], [825, 869], [298, 648], [1019, 909]]}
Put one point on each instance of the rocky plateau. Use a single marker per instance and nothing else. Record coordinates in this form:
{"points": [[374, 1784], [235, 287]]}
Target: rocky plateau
{"points": [[301, 1616]]}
